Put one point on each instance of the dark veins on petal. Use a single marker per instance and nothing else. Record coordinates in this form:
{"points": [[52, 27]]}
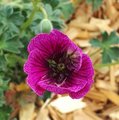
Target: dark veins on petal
{"points": [[61, 65]]}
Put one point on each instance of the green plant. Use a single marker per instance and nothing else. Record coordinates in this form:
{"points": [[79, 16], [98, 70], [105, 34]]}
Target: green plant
{"points": [[109, 47], [19, 21]]}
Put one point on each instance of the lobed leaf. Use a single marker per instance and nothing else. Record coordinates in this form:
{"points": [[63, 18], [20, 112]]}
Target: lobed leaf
{"points": [[108, 44]]}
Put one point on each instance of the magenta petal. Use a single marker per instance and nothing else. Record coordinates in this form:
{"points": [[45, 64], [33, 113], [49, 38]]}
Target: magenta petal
{"points": [[62, 89], [86, 71], [77, 55], [35, 63], [32, 82], [48, 43], [26, 68], [35, 69], [84, 75], [59, 41], [80, 79], [75, 84], [36, 42], [52, 88], [82, 92]]}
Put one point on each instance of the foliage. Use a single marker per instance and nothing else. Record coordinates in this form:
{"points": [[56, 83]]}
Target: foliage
{"points": [[3, 87], [5, 112], [109, 47], [95, 3], [19, 22], [62, 7], [4, 109]]}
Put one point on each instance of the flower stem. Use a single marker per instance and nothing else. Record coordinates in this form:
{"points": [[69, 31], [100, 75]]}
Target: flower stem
{"points": [[30, 19], [35, 9], [98, 50], [43, 11], [108, 64]]}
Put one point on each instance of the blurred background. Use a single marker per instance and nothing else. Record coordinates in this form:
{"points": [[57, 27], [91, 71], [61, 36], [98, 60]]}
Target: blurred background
{"points": [[93, 25]]}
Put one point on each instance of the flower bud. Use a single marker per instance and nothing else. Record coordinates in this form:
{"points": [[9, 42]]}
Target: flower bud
{"points": [[46, 26]]}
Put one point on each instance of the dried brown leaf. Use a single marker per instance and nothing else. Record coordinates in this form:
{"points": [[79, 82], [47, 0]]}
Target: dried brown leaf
{"points": [[27, 112]]}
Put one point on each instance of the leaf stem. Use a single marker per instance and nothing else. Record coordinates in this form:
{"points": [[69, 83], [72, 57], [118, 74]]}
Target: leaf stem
{"points": [[108, 64]]}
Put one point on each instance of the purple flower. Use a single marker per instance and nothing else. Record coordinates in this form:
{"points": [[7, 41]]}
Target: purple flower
{"points": [[56, 64]]}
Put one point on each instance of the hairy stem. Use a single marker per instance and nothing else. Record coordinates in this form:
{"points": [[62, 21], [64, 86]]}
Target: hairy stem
{"points": [[43, 11], [30, 19]]}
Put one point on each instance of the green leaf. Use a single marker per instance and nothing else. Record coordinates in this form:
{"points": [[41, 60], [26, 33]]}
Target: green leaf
{"points": [[3, 84], [2, 98], [11, 45], [2, 63], [8, 10], [48, 9], [114, 53], [95, 3], [46, 95], [67, 8], [17, 18], [95, 42], [10, 21], [110, 39], [110, 52], [5, 112], [53, 3], [13, 59], [106, 57], [3, 87]]}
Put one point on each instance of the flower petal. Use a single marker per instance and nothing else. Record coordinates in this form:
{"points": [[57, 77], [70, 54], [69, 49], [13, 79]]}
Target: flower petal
{"points": [[35, 68], [76, 56], [67, 45], [52, 87], [82, 92], [86, 71], [36, 63], [80, 79], [75, 84], [36, 42], [48, 43], [32, 82], [61, 89], [59, 41]]}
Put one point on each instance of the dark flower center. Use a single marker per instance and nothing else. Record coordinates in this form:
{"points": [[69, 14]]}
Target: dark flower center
{"points": [[61, 66]]}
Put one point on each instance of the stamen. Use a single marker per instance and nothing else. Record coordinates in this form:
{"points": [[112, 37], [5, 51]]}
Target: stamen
{"points": [[60, 66], [52, 63]]}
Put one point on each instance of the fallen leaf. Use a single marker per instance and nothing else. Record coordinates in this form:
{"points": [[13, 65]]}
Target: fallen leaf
{"points": [[67, 104], [112, 96], [27, 112], [43, 114]]}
